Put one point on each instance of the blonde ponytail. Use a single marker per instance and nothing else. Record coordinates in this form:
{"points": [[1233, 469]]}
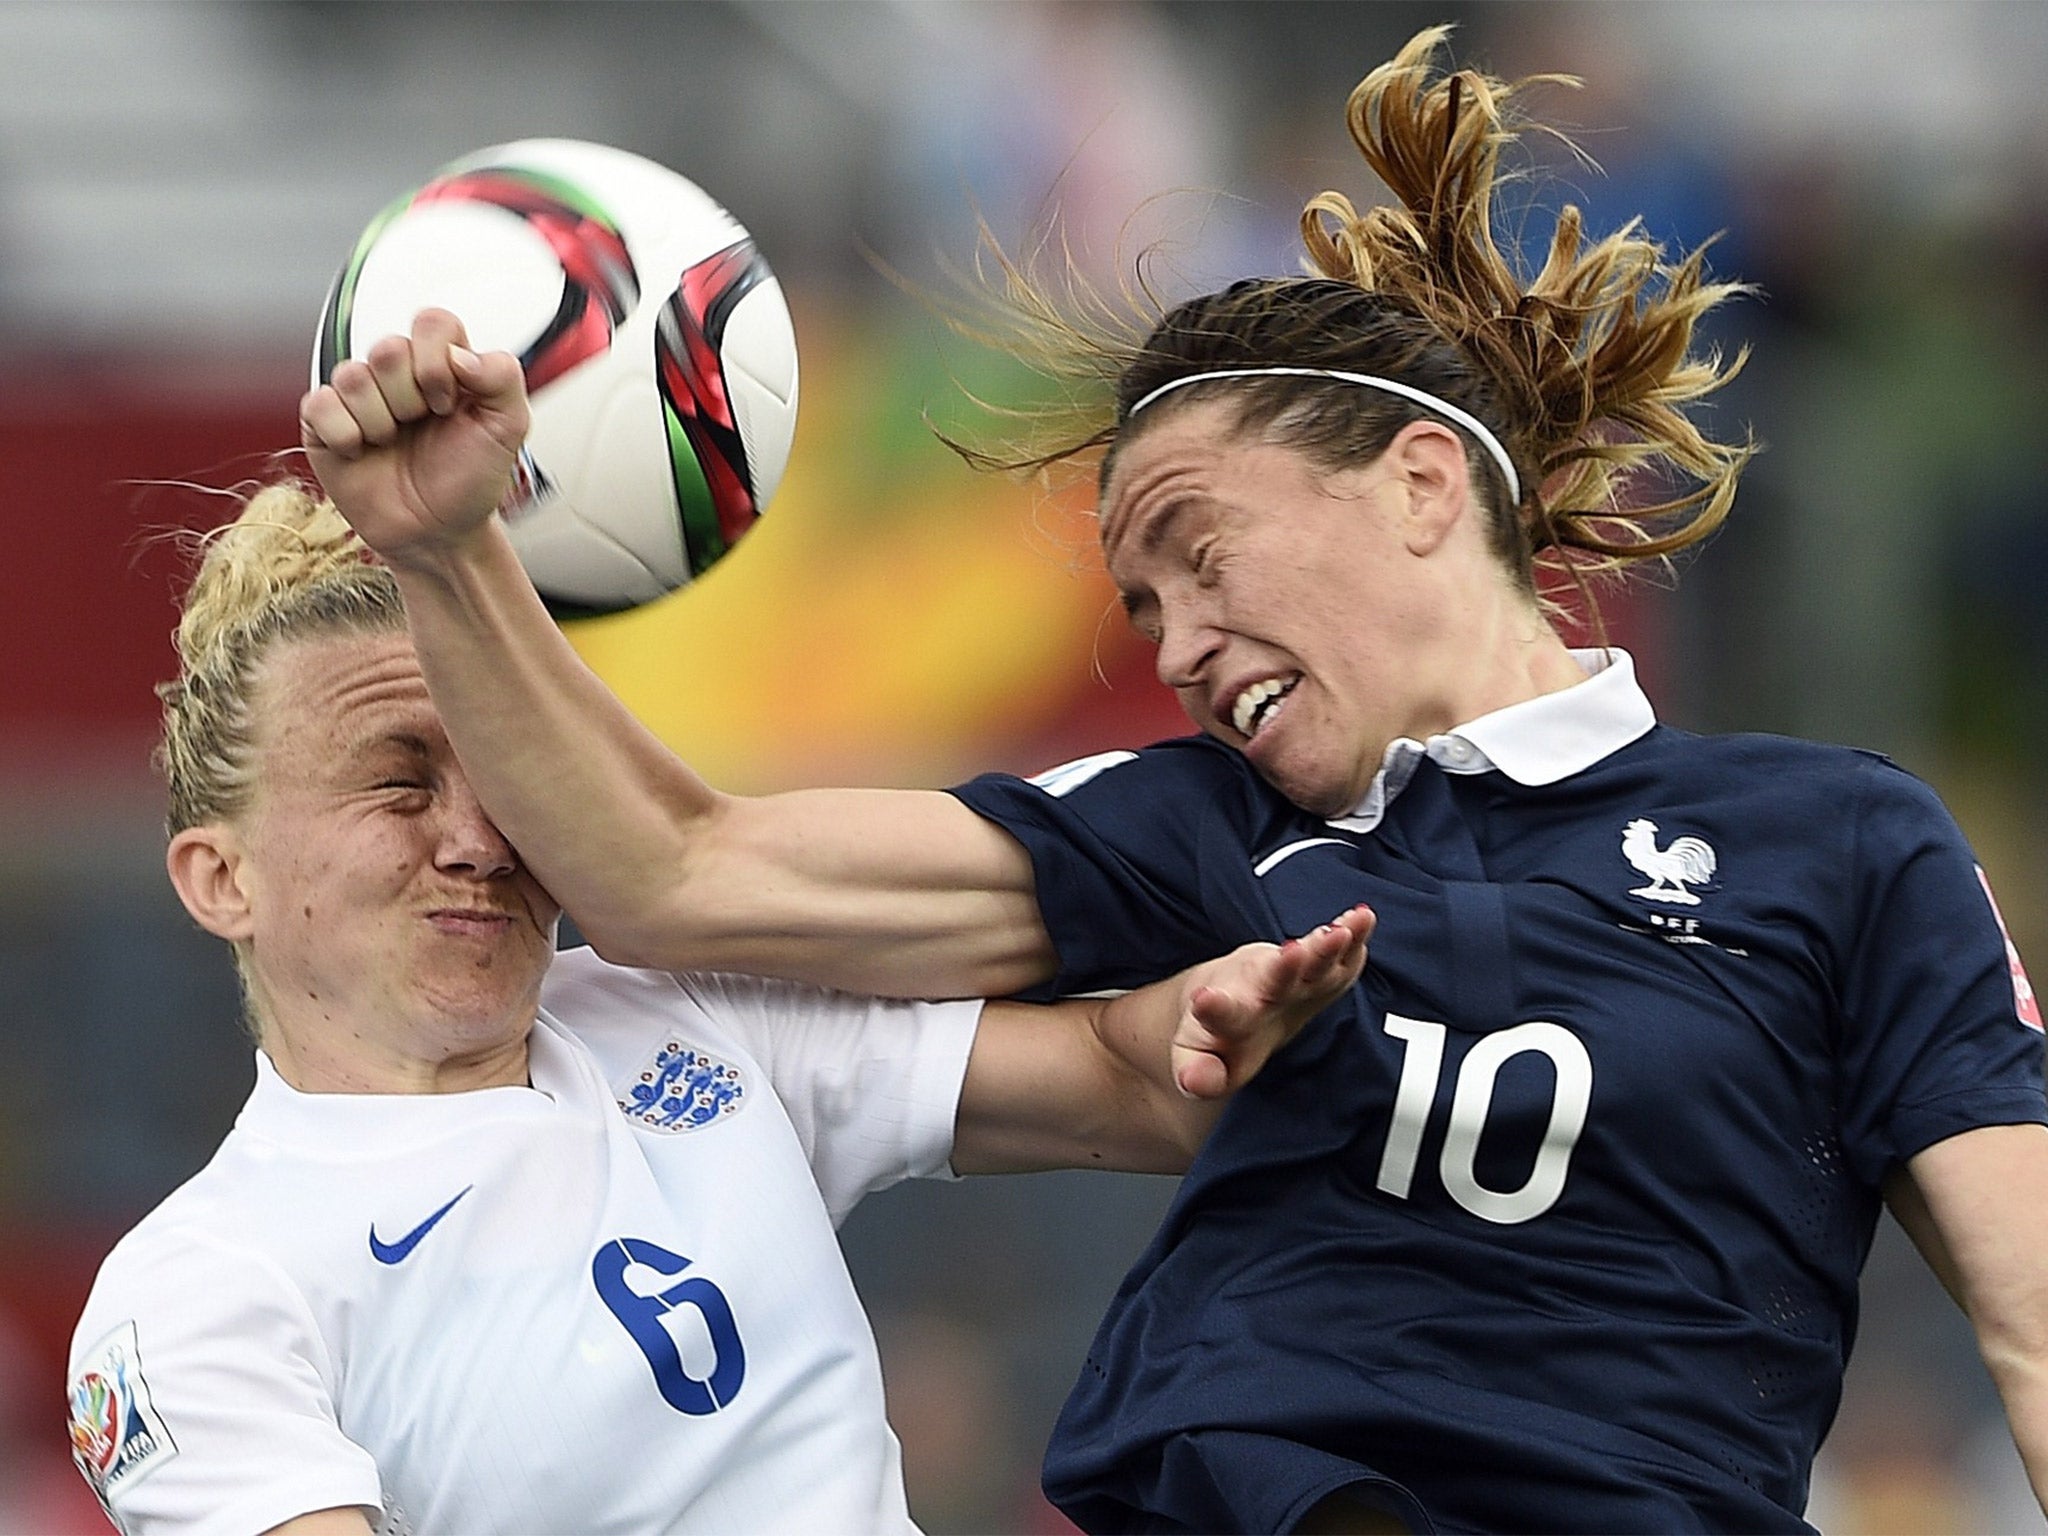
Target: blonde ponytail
{"points": [[1593, 357], [1586, 372]]}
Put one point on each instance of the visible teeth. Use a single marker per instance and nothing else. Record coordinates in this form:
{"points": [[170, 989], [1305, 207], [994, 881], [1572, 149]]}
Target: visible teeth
{"points": [[1251, 704]]}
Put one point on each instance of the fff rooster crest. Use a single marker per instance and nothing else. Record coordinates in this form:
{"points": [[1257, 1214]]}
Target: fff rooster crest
{"points": [[1688, 861]]}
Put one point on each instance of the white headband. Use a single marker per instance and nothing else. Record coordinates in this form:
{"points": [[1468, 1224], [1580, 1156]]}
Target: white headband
{"points": [[1421, 397]]}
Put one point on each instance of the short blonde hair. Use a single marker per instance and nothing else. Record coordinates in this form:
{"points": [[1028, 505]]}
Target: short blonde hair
{"points": [[287, 567]]}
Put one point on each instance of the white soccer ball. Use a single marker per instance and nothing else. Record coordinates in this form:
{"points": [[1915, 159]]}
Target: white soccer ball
{"points": [[658, 351]]}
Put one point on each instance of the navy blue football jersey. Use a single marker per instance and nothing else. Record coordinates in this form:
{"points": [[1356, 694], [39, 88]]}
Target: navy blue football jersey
{"points": [[1555, 1222]]}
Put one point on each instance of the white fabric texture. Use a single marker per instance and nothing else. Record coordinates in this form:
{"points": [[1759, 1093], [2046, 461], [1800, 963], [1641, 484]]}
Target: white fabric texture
{"points": [[479, 1312], [1538, 741]]}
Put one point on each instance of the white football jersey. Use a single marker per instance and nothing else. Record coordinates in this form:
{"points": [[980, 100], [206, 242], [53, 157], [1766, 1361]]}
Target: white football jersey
{"points": [[609, 1302]]}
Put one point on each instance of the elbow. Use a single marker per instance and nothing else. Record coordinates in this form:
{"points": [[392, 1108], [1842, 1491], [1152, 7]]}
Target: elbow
{"points": [[648, 909], [619, 947], [644, 936]]}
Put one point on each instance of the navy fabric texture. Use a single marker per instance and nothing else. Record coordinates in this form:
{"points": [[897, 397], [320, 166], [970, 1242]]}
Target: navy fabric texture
{"points": [[1555, 1221]]}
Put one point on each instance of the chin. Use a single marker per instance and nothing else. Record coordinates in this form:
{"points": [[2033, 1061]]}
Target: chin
{"points": [[485, 1003], [1312, 792]]}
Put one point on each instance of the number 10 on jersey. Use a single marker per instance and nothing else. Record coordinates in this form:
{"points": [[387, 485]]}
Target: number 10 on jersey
{"points": [[1422, 1064]]}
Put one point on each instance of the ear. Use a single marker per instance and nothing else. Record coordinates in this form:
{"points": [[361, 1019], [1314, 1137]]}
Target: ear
{"points": [[1428, 459], [205, 865]]}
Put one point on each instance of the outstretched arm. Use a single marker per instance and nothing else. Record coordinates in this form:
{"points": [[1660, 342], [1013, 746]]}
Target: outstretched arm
{"points": [[894, 892], [1972, 1204], [1135, 1082]]}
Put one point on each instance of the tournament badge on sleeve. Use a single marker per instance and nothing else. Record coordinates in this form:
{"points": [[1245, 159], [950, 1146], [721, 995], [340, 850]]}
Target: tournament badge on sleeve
{"points": [[116, 1436], [2026, 1003]]}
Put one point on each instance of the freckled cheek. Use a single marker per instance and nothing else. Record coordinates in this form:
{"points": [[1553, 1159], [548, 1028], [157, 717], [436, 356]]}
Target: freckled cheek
{"points": [[324, 894], [305, 893]]}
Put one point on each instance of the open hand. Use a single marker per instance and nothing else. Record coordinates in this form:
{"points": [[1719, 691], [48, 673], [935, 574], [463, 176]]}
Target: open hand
{"points": [[1244, 1007], [417, 443]]}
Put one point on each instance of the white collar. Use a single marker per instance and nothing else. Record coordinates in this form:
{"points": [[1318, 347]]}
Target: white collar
{"points": [[343, 1124], [1538, 741]]}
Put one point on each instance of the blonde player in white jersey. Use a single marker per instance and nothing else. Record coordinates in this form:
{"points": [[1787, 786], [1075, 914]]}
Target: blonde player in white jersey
{"points": [[506, 1242]]}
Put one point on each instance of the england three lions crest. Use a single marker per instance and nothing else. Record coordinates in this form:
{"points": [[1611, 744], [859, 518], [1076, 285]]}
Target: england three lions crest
{"points": [[1687, 861], [682, 1087]]}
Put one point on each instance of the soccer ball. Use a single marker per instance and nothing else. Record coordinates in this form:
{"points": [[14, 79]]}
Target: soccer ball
{"points": [[658, 351]]}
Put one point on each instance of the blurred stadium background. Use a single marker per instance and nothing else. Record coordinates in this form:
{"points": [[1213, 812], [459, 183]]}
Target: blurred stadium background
{"points": [[179, 180]]}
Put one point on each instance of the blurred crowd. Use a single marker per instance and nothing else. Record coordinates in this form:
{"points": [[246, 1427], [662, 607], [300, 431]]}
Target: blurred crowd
{"points": [[177, 182]]}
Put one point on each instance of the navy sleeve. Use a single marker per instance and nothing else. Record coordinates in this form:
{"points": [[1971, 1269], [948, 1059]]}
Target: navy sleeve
{"points": [[1940, 1033], [1117, 842]]}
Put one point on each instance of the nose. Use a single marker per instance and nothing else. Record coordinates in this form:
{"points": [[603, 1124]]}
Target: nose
{"points": [[1187, 644], [471, 843]]}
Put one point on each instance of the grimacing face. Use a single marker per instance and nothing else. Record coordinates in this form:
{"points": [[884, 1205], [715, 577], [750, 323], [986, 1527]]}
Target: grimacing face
{"points": [[381, 899], [1293, 616]]}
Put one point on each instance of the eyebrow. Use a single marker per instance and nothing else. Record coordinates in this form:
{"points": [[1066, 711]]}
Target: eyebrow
{"points": [[409, 742], [1166, 486], [1158, 522], [1157, 525]]}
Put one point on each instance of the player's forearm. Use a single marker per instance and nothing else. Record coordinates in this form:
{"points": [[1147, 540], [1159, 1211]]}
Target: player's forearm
{"points": [[898, 893], [1136, 1032], [601, 812], [2023, 1387], [1081, 1083], [2009, 1312], [1175, 1050], [1969, 1203], [2015, 1352], [1135, 1082]]}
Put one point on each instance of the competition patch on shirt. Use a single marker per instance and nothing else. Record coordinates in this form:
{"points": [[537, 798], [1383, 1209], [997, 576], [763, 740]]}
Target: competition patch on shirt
{"points": [[116, 1436], [2024, 1000], [682, 1087]]}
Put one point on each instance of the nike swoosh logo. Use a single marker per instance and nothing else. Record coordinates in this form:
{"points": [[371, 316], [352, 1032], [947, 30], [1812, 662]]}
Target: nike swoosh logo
{"points": [[392, 1253]]}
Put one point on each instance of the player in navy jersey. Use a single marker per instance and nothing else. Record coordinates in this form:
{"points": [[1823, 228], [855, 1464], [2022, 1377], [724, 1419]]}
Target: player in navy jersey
{"points": [[1555, 1223]]}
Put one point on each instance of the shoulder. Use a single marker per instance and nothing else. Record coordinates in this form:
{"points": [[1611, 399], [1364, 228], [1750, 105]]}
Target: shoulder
{"points": [[191, 1266], [1854, 781], [629, 1019], [632, 1020], [202, 1383], [1195, 757], [218, 1210], [1756, 752], [1169, 798], [1847, 836], [1185, 765], [1810, 779], [582, 990], [594, 999]]}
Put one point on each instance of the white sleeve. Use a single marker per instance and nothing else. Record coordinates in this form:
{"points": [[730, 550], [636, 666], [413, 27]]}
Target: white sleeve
{"points": [[872, 1085], [201, 1395]]}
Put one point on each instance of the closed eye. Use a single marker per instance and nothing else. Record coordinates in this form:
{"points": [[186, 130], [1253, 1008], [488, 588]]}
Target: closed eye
{"points": [[1140, 610]]}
